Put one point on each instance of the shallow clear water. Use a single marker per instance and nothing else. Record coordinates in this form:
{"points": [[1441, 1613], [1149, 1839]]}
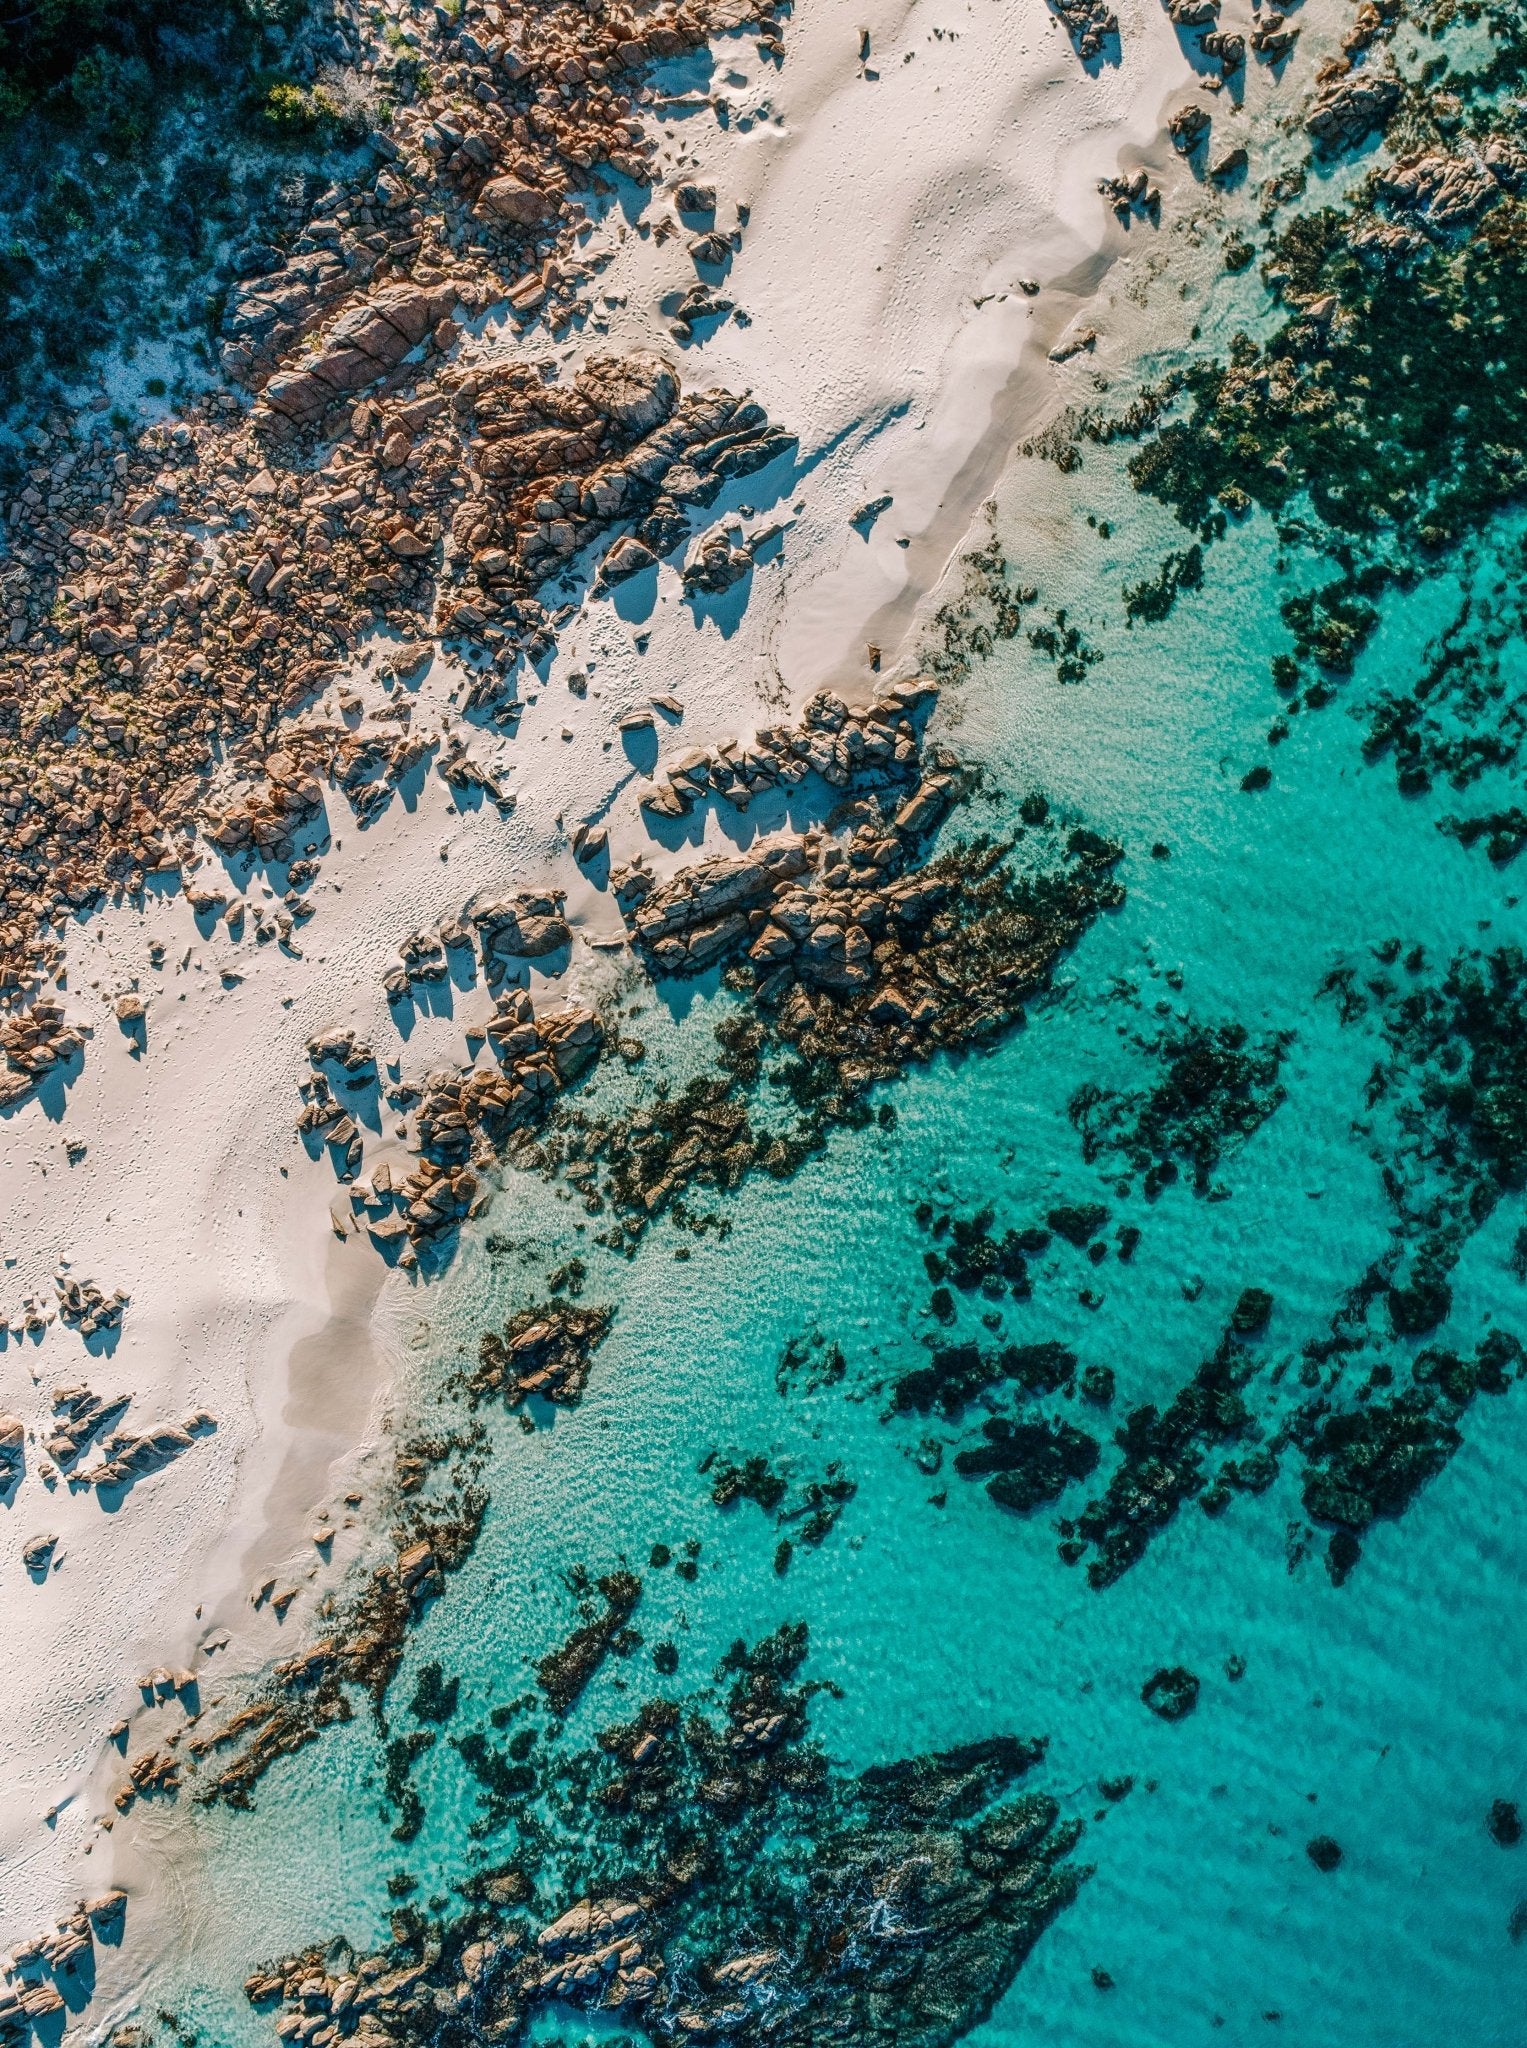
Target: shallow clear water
{"points": [[1383, 1712]]}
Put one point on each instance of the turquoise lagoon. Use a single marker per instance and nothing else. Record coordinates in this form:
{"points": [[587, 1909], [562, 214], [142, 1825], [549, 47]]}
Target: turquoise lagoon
{"points": [[1385, 1712]]}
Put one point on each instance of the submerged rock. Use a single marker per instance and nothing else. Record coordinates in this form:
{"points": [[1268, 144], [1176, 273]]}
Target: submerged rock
{"points": [[898, 1904], [1171, 1693]]}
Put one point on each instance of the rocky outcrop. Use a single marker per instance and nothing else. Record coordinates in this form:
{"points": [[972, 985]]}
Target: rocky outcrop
{"points": [[522, 927], [566, 1671], [78, 1416], [1188, 128], [1273, 35], [35, 1040], [873, 746], [310, 1691], [899, 1904], [127, 1457], [1091, 25], [556, 467], [84, 1307], [594, 1955], [1445, 194], [855, 967], [545, 1353], [701, 915], [361, 347], [463, 1118], [146, 669], [1350, 107], [262, 816]]}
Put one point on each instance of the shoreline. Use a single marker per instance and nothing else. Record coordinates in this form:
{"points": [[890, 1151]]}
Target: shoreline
{"points": [[293, 1431]]}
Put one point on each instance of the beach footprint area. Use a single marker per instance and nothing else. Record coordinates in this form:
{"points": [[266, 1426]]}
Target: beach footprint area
{"points": [[763, 1075]]}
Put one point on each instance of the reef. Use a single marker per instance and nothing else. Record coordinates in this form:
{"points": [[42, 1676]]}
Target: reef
{"points": [[1030, 1463], [723, 1879], [810, 1508], [1369, 1462], [1163, 1464], [564, 1672], [1453, 1096], [1171, 1693], [958, 1374], [1346, 424], [1217, 1087]]}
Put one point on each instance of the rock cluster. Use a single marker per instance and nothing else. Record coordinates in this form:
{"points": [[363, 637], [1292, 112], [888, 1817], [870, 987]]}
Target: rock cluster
{"points": [[1188, 128], [127, 1456], [1171, 1693], [1214, 1086], [704, 913], [521, 927], [853, 969], [1444, 194], [27, 1998], [545, 1353], [873, 746], [462, 1117], [1369, 1462], [309, 1691], [171, 595], [1131, 195], [1028, 1463], [1374, 19], [78, 1415], [1164, 1464], [1349, 107], [263, 817], [472, 1114], [594, 1956], [1091, 25], [554, 467], [1274, 36], [35, 1040], [731, 1887], [82, 1306], [1227, 47]]}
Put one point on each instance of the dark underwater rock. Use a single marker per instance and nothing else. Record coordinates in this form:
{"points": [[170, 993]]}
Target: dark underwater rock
{"points": [[1162, 1465], [727, 1884], [957, 1374], [563, 1673], [1504, 1823], [1217, 1086], [1171, 1693], [1369, 1463], [1030, 1462]]}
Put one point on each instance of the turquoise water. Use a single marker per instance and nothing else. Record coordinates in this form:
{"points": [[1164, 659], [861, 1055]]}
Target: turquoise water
{"points": [[1383, 1713]]}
